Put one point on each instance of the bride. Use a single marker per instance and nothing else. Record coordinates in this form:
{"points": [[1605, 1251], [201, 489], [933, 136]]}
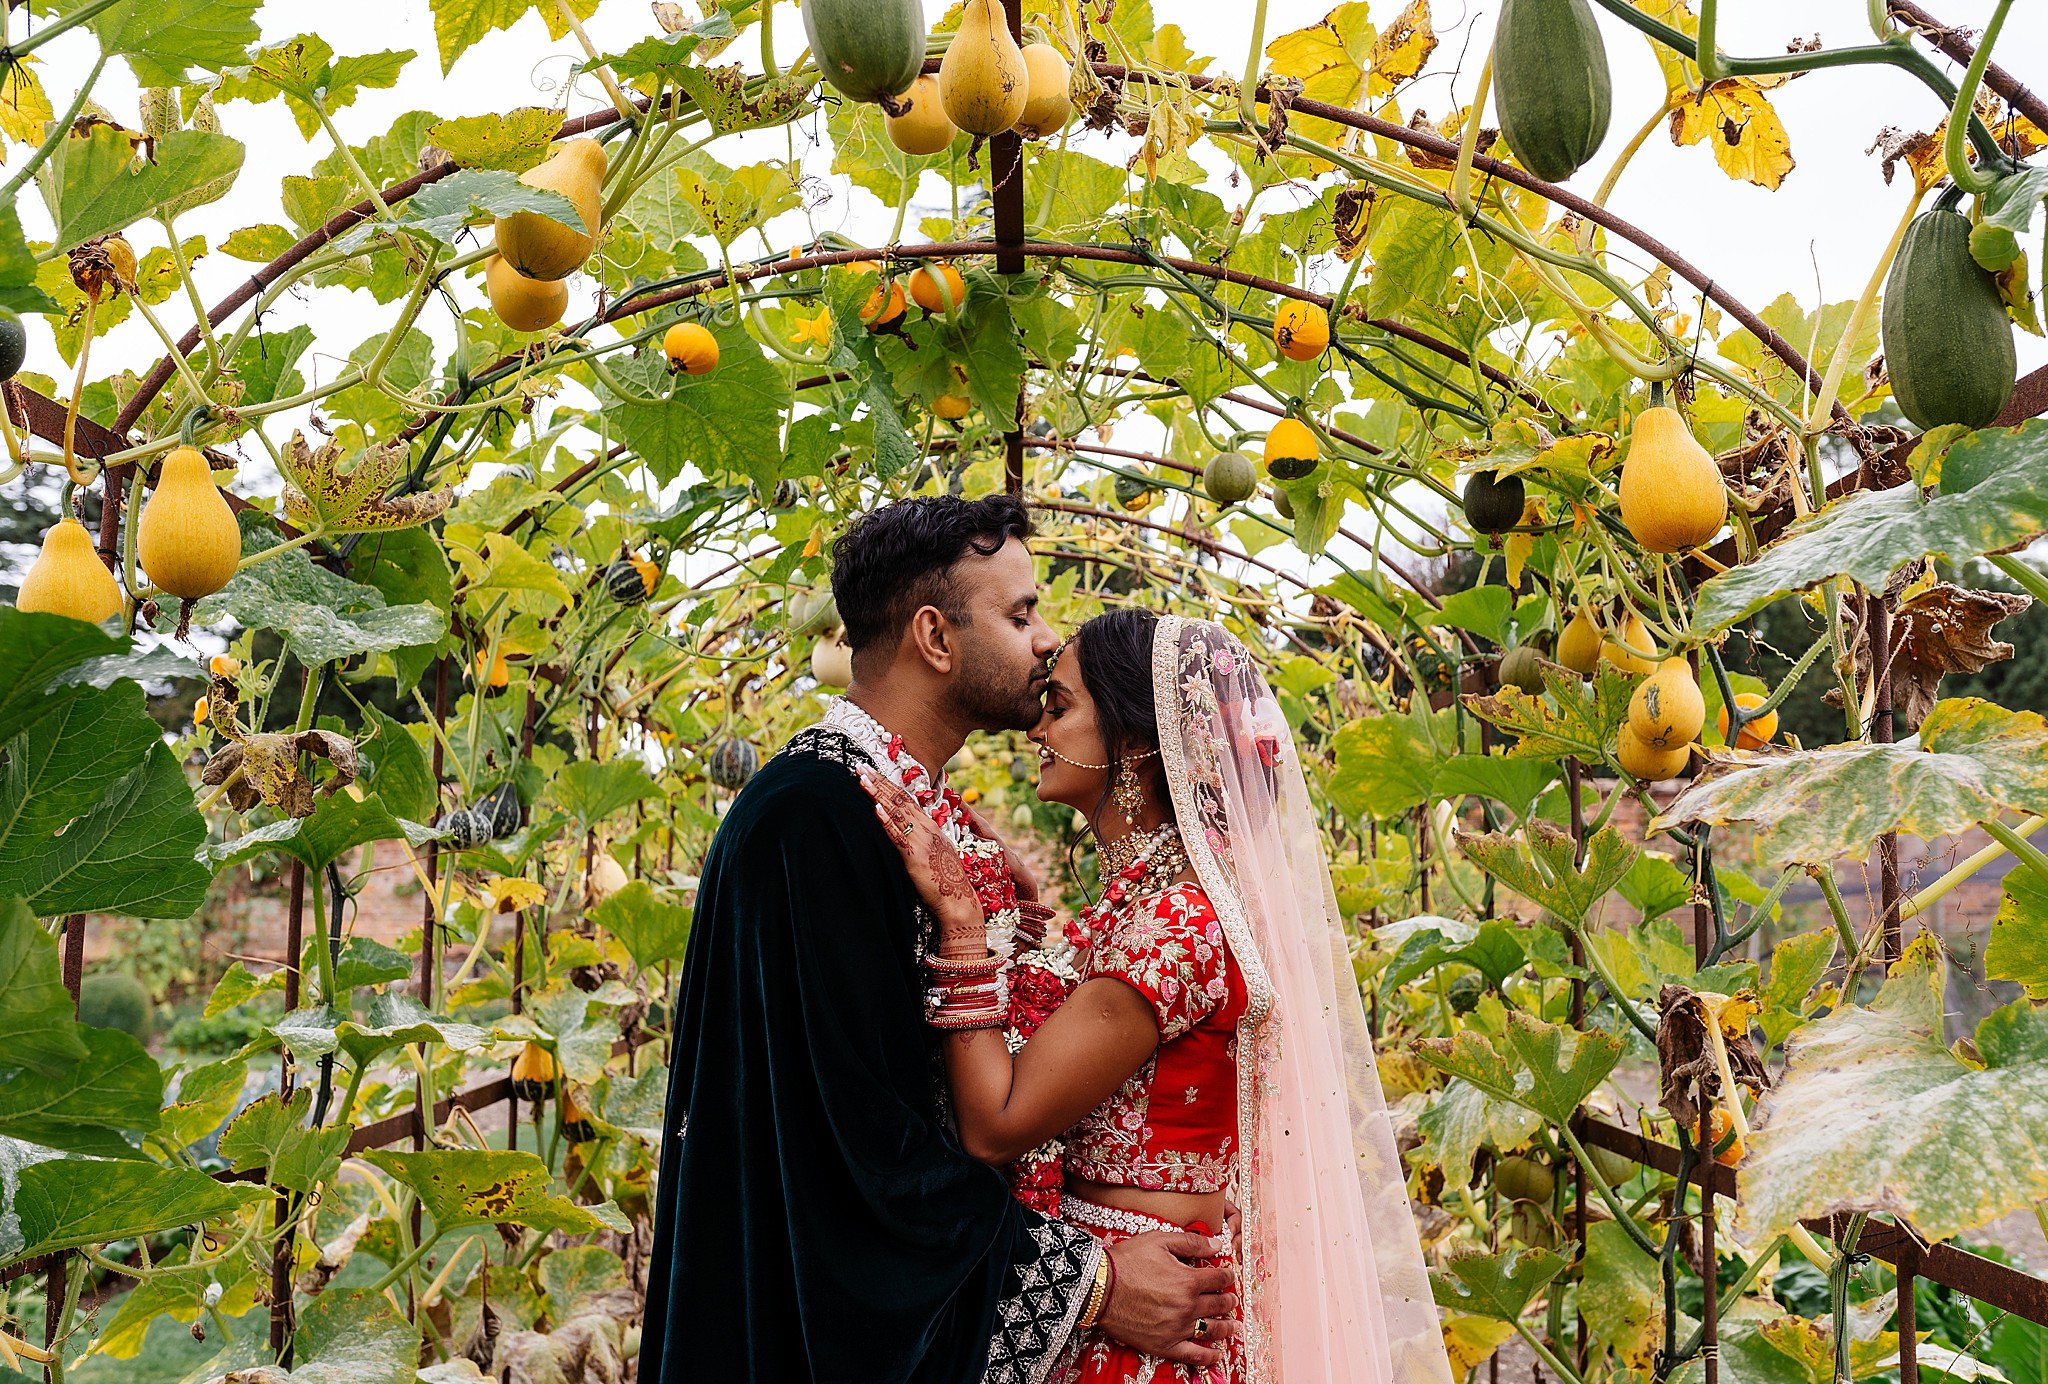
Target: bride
{"points": [[1214, 1044]]}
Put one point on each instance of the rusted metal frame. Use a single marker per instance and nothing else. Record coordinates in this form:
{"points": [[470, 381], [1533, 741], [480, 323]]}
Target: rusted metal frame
{"points": [[283, 1217], [1877, 633], [1574, 787], [1006, 159], [1953, 44], [1989, 1282]]}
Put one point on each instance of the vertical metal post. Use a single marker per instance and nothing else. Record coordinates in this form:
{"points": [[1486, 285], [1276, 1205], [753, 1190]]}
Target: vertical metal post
{"points": [[1006, 187], [1909, 1312], [1574, 787], [1710, 1279], [56, 1279]]}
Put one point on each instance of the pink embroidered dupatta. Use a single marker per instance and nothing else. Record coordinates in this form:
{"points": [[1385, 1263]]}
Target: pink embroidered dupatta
{"points": [[1333, 1281]]}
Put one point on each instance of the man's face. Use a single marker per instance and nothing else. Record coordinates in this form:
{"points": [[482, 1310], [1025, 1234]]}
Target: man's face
{"points": [[1000, 672]]}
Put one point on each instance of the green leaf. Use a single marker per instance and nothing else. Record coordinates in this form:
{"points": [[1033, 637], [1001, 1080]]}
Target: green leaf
{"points": [[272, 1135], [1484, 610], [115, 1090], [305, 71], [592, 790], [442, 209], [649, 926], [1622, 1295], [1500, 1286], [1993, 498], [729, 202], [205, 1097], [107, 186], [515, 141], [354, 1336], [37, 1027], [1875, 1112], [1970, 761], [1548, 1068], [1797, 965], [1514, 783], [1386, 766], [1420, 945], [575, 1273], [399, 773], [981, 338], [2008, 213], [1538, 863], [322, 617], [394, 1020], [1414, 250], [164, 39], [38, 650], [1655, 886], [863, 151], [461, 1187], [1575, 718], [634, 1104], [854, 351], [68, 1202], [2018, 949], [18, 288], [263, 362], [579, 1026], [1462, 1118], [95, 814], [728, 424], [505, 569]]}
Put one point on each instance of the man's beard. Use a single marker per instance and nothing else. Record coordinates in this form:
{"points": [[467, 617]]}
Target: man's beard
{"points": [[983, 696]]}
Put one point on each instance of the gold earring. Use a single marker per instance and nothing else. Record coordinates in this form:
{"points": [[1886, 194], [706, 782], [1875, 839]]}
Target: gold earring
{"points": [[1126, 792]]}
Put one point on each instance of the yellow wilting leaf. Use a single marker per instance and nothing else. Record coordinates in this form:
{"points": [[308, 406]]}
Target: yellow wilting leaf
{"points": [[509, 895], [1471, 1341], [1520, 545], [1329, 59], [2015, 286], [1749, 139], [1402, 48], [1921, 153], [24, 107]]}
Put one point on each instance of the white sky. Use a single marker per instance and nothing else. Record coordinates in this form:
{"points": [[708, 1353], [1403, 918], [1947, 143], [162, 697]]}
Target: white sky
{"points": [[1816, 237]]}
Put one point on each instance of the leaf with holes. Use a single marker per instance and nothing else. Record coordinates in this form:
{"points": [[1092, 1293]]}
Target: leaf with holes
{"points": [[515, 141], [461, 1187], [1500, 1286]]}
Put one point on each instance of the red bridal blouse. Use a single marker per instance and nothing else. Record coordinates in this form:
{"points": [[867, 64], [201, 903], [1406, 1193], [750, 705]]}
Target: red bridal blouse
{"points": [[1173, 1126]]}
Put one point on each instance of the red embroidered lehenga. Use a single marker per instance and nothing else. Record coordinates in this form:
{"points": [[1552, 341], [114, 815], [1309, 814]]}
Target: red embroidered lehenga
{"points": [[1263, 1084]]}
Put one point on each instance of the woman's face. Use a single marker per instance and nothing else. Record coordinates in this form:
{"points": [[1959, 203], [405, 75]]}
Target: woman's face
{"points": [[1069, 727]]}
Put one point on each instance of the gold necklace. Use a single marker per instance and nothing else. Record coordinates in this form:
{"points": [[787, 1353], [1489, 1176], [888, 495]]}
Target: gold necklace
{"points": [[1162, 844]]}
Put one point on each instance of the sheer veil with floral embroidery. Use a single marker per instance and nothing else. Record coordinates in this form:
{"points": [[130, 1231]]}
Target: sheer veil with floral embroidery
{"points": [[1331, 1266]]}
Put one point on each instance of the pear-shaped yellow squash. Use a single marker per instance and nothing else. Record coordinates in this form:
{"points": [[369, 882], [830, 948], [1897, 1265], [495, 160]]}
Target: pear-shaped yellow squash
{"points": [[187, 538], [1646, 762], [68, 577], [1671, 492], [1667, 710], [1301, 331], [924, 127], [540, 247], [523, 304], [1632, 634], [982, 78], [1578, 643], [1046, 102]]}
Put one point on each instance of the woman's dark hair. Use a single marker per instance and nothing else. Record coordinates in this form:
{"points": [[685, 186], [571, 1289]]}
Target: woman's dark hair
{"points": [[1115, 649], [893, 562]]}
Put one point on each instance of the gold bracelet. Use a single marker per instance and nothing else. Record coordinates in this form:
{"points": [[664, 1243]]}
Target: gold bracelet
{"points": [[1098, 1294]]}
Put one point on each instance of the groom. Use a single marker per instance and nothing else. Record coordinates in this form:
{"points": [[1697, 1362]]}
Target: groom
{"points": [[816, 1218]]}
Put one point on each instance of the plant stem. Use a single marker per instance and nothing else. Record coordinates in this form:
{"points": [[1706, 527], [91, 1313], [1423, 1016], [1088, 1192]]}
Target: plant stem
{"points": [[348, 156], [1628, 152], [1962, 111], [1599, 1181], [1845, 932], [2025, 851], [1927, 897], [1824, 403], [406, 1265], [2030, 577]]}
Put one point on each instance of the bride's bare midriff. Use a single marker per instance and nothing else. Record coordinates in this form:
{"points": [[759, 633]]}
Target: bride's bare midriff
{"points": [[1181, 1208]]}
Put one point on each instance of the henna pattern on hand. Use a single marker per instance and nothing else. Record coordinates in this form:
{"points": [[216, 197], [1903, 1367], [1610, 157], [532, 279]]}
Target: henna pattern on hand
{"points": [[942, 862]]}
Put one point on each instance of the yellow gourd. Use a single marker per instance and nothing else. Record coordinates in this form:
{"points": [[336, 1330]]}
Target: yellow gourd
{"points": [[1667, 710], [187, 538], [1672, 497], [523, 304], [937, 287], [884, 305], [951, 406], [1301, 331], [68, 578], [542, 248], [1633, 634], [1290, 450], [982, 78], [1046, 103], [500, 671], [534, 1072], [690, 348], [1754, 735], [1649, 763], [1578, 643], [923, 128]]}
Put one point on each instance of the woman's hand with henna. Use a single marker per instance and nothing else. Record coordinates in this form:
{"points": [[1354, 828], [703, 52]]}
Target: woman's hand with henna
{"points": [[933, 863]]}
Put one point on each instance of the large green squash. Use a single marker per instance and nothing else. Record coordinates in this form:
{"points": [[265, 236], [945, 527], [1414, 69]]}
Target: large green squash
{"points": [[1550, 84], [1947, 339], [867, 49]]}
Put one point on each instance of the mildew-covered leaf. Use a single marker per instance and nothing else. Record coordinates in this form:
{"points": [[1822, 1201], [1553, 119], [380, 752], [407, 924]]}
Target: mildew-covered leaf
{"points": [[1538, 863], [329, 490], [2018, 949], [1546, 1067], [1500, 1286], [1876, 1112], [1970, 761], [1461, 1118]]}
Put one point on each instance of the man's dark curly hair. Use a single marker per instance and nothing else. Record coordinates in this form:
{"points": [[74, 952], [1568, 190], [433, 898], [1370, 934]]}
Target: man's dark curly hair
{"points": [[893, 562]]}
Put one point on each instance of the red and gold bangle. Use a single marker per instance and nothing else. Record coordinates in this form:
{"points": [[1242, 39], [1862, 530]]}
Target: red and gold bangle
{"points": [[986, 964]]}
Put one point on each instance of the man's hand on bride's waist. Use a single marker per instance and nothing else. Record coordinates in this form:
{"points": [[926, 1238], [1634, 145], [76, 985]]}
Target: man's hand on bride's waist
{"points": [[1157, 1301]]}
